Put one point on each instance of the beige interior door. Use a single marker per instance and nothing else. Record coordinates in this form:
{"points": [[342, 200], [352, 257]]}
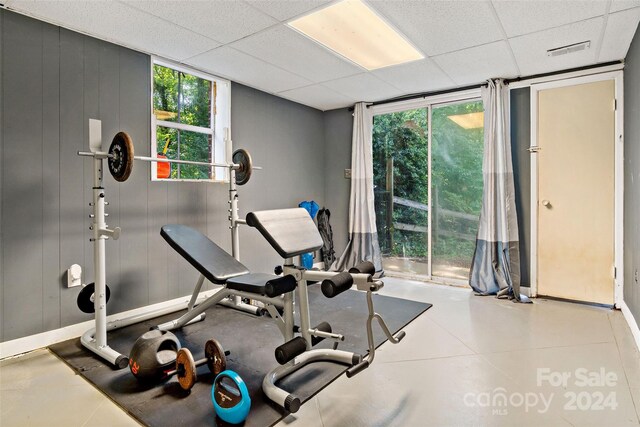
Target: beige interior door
{"points": [[576, 135]]}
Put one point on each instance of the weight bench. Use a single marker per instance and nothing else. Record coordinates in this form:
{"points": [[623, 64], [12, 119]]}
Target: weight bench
{"points": [[217, 266], [291, 232]]}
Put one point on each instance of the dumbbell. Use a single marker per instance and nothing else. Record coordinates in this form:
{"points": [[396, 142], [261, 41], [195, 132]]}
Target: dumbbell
{"points": [[157, 355], [214, 358]]}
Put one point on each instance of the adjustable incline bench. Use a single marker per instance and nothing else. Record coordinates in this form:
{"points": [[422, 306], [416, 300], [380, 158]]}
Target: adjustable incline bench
{"points": [[291, 232]]}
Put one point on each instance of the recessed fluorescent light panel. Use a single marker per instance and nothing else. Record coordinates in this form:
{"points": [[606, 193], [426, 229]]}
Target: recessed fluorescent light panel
{"points": [[351, 29], [469, 120]]}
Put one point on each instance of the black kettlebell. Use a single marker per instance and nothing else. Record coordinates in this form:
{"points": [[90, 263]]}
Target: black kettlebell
{"points": [[153, 355]]}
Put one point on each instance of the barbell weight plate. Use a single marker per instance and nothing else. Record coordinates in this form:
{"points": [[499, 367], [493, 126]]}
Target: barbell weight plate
{"points": [[86, 298], [243, 158], [121, 162], [216, 359], [186, 369]]}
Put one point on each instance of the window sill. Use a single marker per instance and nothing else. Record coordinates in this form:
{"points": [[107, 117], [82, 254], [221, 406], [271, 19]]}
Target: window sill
{"points": [[204, 181]]}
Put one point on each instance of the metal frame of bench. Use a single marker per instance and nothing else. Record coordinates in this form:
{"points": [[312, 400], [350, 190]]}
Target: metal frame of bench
{"points": [[290, 232]]}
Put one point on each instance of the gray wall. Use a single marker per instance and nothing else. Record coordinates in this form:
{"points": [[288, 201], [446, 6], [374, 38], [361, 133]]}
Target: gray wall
{"points": [[520, 141], [52, 81], [338, 131], [632, 177], [338, 128]]}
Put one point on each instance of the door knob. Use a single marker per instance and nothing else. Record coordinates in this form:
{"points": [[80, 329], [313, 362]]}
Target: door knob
{"points": [[546, 204]]}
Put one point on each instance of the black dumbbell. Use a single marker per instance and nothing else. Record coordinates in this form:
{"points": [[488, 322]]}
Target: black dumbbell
{"points": [[214, 358]]}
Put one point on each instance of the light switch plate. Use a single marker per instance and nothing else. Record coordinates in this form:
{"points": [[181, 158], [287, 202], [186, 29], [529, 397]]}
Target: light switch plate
{"points": [[347, 173]]}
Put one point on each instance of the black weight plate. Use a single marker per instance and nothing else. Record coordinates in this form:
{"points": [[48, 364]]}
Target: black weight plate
{"points": [[216, 360], [85, 298], [243, 158], [121, 164]]}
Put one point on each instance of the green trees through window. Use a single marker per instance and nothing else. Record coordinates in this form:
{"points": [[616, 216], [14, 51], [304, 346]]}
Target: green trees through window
{"points": [[402, 183], [182, 105]]}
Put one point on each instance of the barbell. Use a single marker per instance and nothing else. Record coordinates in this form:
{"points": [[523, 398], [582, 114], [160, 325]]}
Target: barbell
{"points": [[121, 156]]}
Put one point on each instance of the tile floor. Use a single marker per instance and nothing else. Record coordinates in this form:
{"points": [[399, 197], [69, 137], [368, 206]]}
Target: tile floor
{"points": [[466, 361]]}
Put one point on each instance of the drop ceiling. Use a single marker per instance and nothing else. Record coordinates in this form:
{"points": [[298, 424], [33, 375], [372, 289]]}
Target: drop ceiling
{"points": [[248, 41]]}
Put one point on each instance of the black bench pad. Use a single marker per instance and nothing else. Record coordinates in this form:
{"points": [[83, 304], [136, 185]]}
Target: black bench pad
{"points": [[290, 232], [253, 283], [209, 259]]}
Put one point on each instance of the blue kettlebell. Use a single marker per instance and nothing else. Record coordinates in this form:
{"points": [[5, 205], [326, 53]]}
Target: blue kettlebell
{"points": [[230, 397]]}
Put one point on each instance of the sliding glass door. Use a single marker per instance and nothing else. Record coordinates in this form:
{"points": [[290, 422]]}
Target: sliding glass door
{"points": [[428, 188], [401, 182]]}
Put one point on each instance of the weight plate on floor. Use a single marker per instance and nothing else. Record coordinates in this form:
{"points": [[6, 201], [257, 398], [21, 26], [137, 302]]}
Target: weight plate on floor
{"points": [[186, 369], [86, 298], [243, 158], [216, 360], [121, 164]]}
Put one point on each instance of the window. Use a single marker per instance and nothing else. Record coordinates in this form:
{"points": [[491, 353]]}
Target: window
{"points": [[427, 166], [189, 121]]}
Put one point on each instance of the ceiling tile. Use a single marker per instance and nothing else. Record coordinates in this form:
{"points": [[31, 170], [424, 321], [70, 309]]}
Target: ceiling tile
{"points": [[221, 20], [363, 87], [286, 9], [317, 96], [477, 64], [621, 27], [617, 5], [121, 24], [531, 50], [416, 77], [292, 51], [523, 17], [442, 26], [242, 68]]}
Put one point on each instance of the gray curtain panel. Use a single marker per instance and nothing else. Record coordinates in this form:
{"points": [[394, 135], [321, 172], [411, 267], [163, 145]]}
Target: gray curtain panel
{"points": [[495, 269], [363, 236]]}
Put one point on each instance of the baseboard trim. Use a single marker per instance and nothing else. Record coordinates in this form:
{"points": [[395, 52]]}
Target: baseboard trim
{"points": [[633, 324], [32, 342]]}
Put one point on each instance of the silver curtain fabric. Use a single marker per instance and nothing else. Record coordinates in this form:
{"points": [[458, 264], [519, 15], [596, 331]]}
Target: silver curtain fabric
{"points": [[495, 269], [363, 236]]}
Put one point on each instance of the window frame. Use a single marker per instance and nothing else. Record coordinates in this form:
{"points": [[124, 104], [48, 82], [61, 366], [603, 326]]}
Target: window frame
{"points": [[220, 123]]}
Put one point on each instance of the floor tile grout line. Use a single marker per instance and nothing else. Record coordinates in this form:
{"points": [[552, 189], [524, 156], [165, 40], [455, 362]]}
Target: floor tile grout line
{"points": [[514, 350], [452, 334], [317, 400], [429, 359], [95, 386], [425, 359], [84, 424], [624, 370], [547, 347]]}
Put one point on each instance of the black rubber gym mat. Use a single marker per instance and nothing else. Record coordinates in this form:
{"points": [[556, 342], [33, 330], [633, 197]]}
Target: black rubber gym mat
{"points": [[252, 341]]}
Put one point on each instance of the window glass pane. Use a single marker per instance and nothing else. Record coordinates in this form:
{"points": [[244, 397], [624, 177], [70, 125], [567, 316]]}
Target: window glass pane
{"points": [[183, 145], [167, 145], [196, 147], [195, 101], [165, 93], [456, 167], [400, 169], [181, 97]]}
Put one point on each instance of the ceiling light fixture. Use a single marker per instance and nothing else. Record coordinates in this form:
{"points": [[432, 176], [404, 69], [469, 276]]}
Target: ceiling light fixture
{"points": [[469, 120], [351, 29]]}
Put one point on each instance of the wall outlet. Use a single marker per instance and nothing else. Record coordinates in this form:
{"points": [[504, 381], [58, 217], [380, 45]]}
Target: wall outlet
{"points": [[635, 276], [347, 173], [74, 276]]}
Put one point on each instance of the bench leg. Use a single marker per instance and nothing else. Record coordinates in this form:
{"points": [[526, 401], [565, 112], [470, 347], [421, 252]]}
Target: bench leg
{"points": [[195, 314], [288, 401]]}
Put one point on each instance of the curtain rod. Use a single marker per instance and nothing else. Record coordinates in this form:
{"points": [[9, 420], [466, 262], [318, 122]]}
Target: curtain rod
{"points": [[477, 86]]}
